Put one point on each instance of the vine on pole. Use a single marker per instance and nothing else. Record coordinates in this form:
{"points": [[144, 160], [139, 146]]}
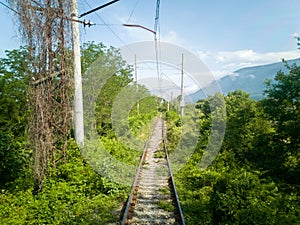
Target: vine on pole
{"points": [[47, 34]]}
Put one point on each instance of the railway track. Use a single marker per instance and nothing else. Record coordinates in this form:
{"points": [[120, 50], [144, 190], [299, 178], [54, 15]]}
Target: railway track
{"points": [[153, 198]]}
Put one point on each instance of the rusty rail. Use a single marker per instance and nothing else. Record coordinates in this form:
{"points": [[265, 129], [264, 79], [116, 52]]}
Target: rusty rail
{"points": [[134, 185], [181, 217]]}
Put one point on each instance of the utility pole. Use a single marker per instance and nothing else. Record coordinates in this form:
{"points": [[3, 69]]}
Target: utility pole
{"points": [[78, 101], [182, 91], [137, 87]]}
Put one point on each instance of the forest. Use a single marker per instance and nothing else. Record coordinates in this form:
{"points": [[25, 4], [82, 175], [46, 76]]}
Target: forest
{"points": [[254, 179]]}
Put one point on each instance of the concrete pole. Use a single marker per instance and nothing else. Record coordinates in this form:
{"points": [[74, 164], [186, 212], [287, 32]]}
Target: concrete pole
{"points": [[78, 101]]}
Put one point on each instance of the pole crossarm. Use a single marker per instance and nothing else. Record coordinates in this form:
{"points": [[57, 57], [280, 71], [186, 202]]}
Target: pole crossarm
{"points": [[84, 22]]}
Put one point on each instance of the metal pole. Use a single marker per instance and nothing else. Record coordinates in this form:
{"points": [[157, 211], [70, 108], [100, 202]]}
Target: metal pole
{"points": [[78, 101], [182, 91]]}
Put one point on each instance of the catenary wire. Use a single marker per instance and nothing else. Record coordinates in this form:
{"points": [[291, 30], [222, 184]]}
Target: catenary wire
{"points": [[114, 33], [8, 7], [134, 7], [155, 37]]}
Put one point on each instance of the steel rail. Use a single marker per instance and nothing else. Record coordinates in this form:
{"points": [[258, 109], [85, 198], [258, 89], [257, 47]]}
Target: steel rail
{"points": [[182, 221], [134, 185]]}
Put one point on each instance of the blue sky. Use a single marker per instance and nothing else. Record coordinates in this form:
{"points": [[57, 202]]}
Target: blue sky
{"points": [[226, 35]]}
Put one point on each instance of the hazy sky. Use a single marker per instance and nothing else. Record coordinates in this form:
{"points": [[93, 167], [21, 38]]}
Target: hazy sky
{"points": [[226, 35]]}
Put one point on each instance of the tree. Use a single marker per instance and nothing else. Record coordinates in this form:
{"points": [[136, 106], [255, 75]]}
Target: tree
{"points": [[103, 67], [282, 107], [13, 114], [13, 90], [242, 126], [243, 197]]}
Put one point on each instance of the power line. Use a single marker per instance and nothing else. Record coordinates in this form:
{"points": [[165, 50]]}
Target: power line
{"points": [[84, 22], [100, 7], [109, 27], [113, 32], [11, 9], [117, 36], [134, 7], [108, 24], [39, 4]]}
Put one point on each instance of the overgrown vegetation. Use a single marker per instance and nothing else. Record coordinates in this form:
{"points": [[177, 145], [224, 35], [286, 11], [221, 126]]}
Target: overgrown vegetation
{"points": [[255, 176], [72, 193], [253, 180]]}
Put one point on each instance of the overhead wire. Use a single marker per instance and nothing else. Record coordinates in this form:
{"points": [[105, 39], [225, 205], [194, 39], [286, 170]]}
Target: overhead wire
{"points": [[114, 33], [125, 45], [97, 8], [132, 11], [37, 3], [103, 22], [8, 7]]}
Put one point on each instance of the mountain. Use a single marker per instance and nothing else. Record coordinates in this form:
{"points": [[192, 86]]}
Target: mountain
{"points": [[249, 79]]}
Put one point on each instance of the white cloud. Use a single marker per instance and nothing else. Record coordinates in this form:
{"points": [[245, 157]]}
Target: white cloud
{"points": [[225, 62], [220, 73], [170, 37], [204, 55]]}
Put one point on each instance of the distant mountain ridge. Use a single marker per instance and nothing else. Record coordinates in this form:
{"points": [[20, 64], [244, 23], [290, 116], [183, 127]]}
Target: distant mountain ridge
{"points": [[248, 79]]}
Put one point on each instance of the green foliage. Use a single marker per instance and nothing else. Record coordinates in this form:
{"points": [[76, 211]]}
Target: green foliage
{"points": [[282, 104], [159, 154], [72, 194], [253, 180], [90, 52], [244, 124], [173, 129], [282, 107], [147, 105], [164, 191], [14, 159], [104, 68], [244, 183], [121, 152], [243, 197], [106, 99], [140, 125], [14, 152], [13, 90], [194, 189], [166, 205]]}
